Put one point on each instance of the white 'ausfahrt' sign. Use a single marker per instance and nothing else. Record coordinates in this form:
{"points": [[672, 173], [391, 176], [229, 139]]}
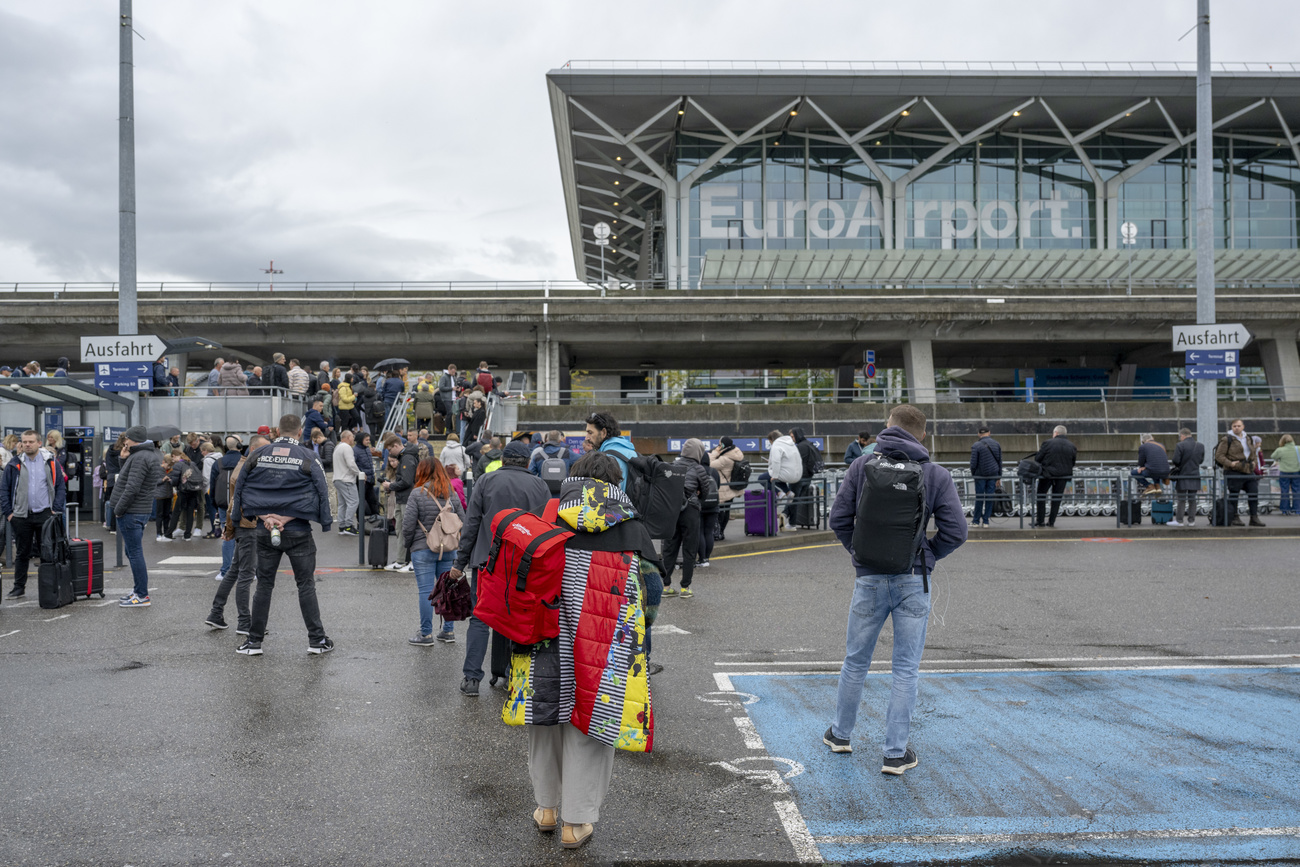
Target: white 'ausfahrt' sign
{"points": [[1210, 337], [123, 347]]}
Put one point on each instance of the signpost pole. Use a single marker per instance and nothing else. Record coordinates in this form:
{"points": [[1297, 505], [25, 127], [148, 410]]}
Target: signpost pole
{"points": [[1207, 390], [127, 314]]}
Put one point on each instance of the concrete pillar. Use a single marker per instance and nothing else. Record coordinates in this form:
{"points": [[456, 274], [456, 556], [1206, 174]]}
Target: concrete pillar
{"points": [[548, 371], [1282, 367], [844, 383], [918, 363]]}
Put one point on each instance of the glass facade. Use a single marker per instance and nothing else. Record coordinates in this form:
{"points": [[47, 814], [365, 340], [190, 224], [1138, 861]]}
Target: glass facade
{"points": [[1012, 192]]}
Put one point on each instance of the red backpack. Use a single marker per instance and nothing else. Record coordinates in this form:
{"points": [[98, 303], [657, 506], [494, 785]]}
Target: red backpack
{"points": [[519, 586]]}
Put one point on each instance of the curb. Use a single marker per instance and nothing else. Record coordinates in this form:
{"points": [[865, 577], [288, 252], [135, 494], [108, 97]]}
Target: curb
{"points": [[779, 542], [1134, 532]]}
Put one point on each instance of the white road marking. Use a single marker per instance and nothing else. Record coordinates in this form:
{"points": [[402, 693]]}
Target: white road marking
{"points": [[1059, 669], [1254, 628], [107, 602], [59, 617], [826, 663], [750, 734], [21, 604], [729, 696], [190, 561], [805, 847], [14, 632], [667, 629], [977, 839]]}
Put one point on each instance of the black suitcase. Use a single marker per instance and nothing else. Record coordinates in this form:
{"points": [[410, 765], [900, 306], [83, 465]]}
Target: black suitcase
{"points": [[87, 558], [1220, 517], [377, 549], [500, 659], [54, 585], [1130, 512], [807, 510]]}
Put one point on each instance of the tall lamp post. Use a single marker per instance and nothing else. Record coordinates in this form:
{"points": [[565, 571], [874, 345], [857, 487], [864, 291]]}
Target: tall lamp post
{"points": [[1207, 390], [1129, 232]]}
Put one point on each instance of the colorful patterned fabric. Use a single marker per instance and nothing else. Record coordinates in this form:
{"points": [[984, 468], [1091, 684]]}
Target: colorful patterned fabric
{"points": [[594, 675], [597, 507]]}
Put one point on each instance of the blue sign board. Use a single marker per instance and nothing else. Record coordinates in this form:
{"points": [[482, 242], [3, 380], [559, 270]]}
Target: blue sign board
{"points": [[54, 419], [112, 433], [869, 356], [124, 375], [1212, 371], [1202, 357], [744, 444]]}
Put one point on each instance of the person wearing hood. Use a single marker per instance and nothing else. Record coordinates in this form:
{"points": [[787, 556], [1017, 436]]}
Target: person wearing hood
{"points": [[408, 459], [784, 466], [489, 458], [560, 688], [809, 460], [686, 536], [33, 489], [724, 458], [231, 379], [553, 447], [603, 435], [454, 453], [903, 598], [132, 503], [511, 487]]}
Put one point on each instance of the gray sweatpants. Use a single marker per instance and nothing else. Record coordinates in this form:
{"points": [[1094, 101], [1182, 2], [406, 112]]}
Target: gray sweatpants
{"points": [[347, 498], [570, 771]]}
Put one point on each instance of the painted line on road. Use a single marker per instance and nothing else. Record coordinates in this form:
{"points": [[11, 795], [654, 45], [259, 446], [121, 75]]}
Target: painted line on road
{"points": [[1155, 834], [723, 678], [748, 733], [1045, 659], [1173, 534], [13, 632], [1254, 628], [59, 617], [106, 602], [190, 561], [777, 551]]}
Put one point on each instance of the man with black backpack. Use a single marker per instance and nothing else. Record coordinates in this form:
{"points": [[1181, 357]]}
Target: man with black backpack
{"points": [[686, 537], [880, 516]]}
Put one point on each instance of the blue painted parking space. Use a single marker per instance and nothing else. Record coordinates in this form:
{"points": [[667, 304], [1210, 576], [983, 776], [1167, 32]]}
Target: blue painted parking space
{"points": [[1162, 764]]}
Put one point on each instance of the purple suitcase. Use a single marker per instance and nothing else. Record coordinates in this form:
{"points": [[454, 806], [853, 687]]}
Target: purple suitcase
{"points": [[760, 513]]}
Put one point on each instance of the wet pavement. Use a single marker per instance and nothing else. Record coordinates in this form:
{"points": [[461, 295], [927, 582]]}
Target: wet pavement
{"points": [[1081, 697]]}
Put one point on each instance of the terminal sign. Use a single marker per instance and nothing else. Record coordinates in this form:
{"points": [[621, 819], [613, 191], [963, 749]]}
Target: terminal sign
{"points": [[129, 376], [1188, 337], [122, 347]]}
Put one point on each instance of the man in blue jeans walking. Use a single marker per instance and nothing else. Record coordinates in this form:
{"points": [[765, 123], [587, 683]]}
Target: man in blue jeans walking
{"points": [[905, 597], [132, 504]]}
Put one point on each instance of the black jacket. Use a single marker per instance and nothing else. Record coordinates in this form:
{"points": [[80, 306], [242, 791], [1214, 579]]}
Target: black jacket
{"points": [[508, 488], [697, 478], [1187, 460], [278, 376], [808, 454], [1057, 456], [283, 478], [141, 472], [254, 381], [1154, 458], [986, 458], [405, 480]]}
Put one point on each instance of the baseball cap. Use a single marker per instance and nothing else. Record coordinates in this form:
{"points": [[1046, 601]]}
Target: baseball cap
{"points": [[264, 430]]}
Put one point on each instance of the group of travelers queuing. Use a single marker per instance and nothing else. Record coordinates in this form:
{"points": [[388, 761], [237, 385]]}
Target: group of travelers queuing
{"points": [[34, 369]]}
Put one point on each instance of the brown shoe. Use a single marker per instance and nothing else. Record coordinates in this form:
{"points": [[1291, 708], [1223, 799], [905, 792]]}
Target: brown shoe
{"points": [[1256, 522], [1151, 490], [545, 819], [1236, 521], [574, 836]]}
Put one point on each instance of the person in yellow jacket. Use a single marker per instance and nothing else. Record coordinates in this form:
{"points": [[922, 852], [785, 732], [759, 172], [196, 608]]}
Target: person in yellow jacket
{"points": [[349, 418]]}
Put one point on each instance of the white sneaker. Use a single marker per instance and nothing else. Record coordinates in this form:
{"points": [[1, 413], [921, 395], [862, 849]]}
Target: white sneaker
{"points": [[393, 567], [1171, 522], [407, 567], [161, 539], [178, 533], [221, 576]]}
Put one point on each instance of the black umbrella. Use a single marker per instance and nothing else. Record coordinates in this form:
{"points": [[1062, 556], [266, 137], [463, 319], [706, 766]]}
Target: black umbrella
{"points": [[160, 432], [392, 364]]}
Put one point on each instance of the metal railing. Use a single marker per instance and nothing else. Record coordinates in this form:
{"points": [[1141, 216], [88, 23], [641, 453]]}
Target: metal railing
{"points": [[1115, 66]]}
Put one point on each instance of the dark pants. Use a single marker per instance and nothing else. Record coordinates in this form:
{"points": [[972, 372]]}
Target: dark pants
{"points": [[985, 489], [27, 538], [1237, 482], [301, 549], [239, 577], [724, 515], [708, 521], [477, 637], [686, 538], [163, 512], [1057, 489], [372, 499], [801, 490], [187, 508]]}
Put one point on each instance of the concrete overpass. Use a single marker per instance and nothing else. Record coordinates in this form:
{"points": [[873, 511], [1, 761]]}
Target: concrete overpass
{"points": [[561, 326]]}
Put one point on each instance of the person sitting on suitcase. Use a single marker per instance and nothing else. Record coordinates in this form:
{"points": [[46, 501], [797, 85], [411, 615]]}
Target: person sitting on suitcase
{"points": [[903, 483], [32, 490], [282, 486], [510, 487]]}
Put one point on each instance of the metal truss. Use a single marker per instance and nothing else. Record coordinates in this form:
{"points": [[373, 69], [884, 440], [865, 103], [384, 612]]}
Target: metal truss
{"points": [[647, 172]]}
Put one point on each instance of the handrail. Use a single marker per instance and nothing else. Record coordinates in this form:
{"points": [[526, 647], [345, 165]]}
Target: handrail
{"points": [[1043, 66]]}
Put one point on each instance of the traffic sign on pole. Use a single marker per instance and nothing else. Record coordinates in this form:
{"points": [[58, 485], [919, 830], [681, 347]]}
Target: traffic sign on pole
{"points": [[128, 376], [1211, 356], [122, 347], [869, 356], [1212, 371], [1212, 336], [871, 370]]}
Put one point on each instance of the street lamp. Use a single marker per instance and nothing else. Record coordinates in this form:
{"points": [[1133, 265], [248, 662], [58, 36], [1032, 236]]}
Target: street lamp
{"points": [[1130, 233]]}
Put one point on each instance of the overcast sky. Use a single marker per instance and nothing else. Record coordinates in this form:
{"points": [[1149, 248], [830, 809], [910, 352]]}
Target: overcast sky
{"points": [[410, 139]]}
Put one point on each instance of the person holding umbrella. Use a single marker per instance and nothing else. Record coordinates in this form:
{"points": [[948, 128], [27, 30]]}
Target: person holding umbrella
{"points": [[394, 381]]}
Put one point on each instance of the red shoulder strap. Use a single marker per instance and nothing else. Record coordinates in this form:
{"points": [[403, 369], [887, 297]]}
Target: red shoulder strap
{"points": [[552, 512]]}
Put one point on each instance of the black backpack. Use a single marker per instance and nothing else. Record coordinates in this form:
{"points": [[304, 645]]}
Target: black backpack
{"points": [[657, 490], [192, 479], [1029, 469], [221, 496], [709, 496], [890, 526], [740, 472]]}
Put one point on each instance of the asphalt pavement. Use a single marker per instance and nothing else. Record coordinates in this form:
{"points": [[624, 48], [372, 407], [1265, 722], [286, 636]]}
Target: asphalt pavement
{"points": [[1054, 668]]}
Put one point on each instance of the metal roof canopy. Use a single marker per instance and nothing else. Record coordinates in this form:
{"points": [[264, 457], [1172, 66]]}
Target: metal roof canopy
{"points": [[1168, 268], [43, 391]]}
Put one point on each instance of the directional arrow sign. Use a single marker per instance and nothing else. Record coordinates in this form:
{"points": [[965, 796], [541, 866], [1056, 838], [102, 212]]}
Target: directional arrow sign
{"points": [[1211, 356], [1212, 371], [130, 376], [1210, 337], [122, 347]]}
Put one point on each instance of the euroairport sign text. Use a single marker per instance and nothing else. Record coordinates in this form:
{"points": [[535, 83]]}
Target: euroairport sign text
{"points": [[122, 347], [1210, 337]]}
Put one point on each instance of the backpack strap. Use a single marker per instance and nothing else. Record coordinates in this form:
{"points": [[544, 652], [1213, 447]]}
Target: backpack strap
{"points": [[495, 550], [526, 561]]}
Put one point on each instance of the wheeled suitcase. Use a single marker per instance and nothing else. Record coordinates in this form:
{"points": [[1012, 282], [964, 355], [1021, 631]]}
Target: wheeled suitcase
{"points": [[1130, 512], [54, 585], [760, 513], [87, 558], [1220, 517], [377, 547], [807, 510], [1162, 512], [499, 661]]}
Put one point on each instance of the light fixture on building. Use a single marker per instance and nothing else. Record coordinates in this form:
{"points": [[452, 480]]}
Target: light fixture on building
{"points": [[776, 144], [906, 112], [794, 112], [681, 111], [616, 183], [877, 141], [620, 159], [616, 221], [616, 204], [1016, 113]]}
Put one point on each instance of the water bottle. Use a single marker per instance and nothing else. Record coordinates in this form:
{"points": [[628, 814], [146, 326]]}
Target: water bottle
{"points": [[275, 536]]}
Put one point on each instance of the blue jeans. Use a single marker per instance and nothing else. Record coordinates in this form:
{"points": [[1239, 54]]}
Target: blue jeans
{"points": [[875, 598], [428, 566], [1146, 475], [1289, 485], [984, 489], [131, 527]]}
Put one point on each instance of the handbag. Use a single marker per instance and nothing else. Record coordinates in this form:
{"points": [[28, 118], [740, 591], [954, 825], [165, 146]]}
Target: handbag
{"points": [[451, 598]]}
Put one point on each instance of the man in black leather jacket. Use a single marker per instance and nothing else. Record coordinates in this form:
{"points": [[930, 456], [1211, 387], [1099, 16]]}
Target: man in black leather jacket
{"points": [[1057, 457]]}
